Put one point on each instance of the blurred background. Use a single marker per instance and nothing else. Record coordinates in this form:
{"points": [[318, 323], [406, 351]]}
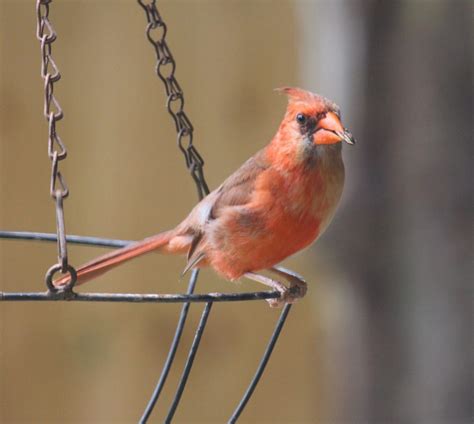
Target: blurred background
{"points": [[385, 332]]}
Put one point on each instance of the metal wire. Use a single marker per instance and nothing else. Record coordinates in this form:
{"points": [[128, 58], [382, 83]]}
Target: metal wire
{"points": [[172, 352], [56, 149], [135, 298], [261, 367], [156, 31], [189, 362], [55, 295], [86, 241]]}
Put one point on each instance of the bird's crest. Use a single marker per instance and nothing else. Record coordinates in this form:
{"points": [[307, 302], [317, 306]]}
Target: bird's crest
{"points": [[298, 96]]}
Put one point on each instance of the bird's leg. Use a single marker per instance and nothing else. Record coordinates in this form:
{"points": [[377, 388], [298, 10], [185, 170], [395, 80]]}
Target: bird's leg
{"points": [[298, 286], [279, 287]]}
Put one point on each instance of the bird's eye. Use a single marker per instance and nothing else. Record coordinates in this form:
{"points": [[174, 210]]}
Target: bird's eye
{"points": [[300, 118]]}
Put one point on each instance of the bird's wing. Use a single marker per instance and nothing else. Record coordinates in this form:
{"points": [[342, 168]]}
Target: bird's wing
{"points": [[236, 190]]}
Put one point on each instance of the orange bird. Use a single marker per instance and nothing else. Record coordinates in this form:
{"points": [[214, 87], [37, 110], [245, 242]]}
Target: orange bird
{"points": [[275, 204]]}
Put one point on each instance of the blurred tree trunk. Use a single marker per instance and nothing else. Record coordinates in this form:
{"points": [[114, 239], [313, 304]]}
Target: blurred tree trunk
{"points": [[413, 210]]}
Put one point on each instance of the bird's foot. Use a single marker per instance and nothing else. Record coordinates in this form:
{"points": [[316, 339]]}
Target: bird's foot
{"points": [[289, 295], [292, 294]]}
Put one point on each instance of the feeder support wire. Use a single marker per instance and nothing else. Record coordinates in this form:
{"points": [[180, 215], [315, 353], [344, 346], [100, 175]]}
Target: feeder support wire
{"points": [[156, 31], [57, 151]]}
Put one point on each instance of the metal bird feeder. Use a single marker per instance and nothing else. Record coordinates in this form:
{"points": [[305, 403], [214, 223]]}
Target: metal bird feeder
{"points": [[165, 69]]}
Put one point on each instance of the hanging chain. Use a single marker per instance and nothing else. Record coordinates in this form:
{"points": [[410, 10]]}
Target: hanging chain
{"points": [[165, 69], [56, 148]]}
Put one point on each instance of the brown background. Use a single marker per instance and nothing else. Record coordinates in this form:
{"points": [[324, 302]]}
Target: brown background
{"points": [[384, 334]]}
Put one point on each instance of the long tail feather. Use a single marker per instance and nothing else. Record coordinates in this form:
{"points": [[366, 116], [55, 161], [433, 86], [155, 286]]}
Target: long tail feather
{"points": [[104, 263]]}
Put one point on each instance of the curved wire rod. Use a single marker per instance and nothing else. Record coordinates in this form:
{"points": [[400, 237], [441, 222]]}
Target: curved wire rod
{"points": [[136, 297], [116, 297], [262, 365], [156, 298], [90, 241], [189, 362], [171, 353]]}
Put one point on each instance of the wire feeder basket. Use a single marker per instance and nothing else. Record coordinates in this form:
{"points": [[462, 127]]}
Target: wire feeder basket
{"points": [[156, 31]]}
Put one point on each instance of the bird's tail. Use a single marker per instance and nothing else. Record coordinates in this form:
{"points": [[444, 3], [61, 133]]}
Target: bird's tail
{"points": [[104, 263]]}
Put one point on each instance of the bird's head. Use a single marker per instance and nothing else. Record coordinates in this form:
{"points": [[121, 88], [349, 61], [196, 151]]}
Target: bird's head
{"points": [[314, 118]]}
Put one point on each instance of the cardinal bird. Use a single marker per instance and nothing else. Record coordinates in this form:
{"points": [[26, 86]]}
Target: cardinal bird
{"points": [[277, 203]]}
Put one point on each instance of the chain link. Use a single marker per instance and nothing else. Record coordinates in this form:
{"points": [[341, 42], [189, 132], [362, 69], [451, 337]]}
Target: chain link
{"points": [[165, 69], [56, 149]]}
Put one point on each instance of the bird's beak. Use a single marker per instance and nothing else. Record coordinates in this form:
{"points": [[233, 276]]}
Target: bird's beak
{"points": [[330, 131]]}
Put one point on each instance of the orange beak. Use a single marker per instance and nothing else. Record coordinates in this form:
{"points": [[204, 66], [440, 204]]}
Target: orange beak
{"points": [[331, 131]]}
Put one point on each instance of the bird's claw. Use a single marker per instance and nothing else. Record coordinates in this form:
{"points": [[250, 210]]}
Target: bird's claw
{"points": [[291, 294]]}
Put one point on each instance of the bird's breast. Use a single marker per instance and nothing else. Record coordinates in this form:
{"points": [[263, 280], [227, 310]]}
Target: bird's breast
{"points": [[304, 204], [287, 212]]}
